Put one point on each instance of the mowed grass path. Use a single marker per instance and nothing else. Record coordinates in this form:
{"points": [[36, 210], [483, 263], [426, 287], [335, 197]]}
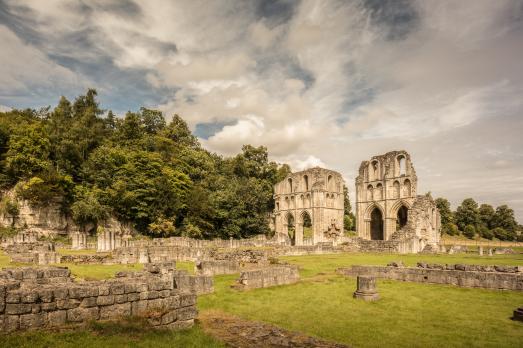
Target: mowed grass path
{"points": [[408, 314]]}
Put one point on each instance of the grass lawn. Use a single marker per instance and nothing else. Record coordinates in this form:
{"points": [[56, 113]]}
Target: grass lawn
{"points": [[408, 314], [98, 335]]}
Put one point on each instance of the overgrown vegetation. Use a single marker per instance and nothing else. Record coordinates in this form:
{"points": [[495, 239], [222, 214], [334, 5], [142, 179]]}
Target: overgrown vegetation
{"points": [[481, 221], [140, 169]]}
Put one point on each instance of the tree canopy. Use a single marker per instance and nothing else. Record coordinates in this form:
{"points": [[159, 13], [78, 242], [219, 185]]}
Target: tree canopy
{"points": [[139, 168]]}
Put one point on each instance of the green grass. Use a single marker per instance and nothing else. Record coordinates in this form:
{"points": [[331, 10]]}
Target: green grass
{"points": [[407, 315], [132, 333], [185, 265]]}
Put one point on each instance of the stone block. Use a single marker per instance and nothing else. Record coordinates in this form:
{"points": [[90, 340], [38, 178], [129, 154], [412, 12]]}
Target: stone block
{"points": [[89, 302], [82, 314], [105, 300], [13, 297], [60, 293], [187, 313], [67, 303], [187, 300], [181, 325], [139, 308], [48, 306], [17, 308], [57, 318], [45, 295], [29, 296], [32, 321], [115, 311], [120, 298], [169, 317], [117, 289], [133, 296]]}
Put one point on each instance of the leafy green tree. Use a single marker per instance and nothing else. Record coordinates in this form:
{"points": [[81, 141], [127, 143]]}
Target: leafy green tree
{"points": [[504, 218], [469, 231], [349, 220], [486, 215], [445, 212], [500, 233], [467, 214], [450, 229], [484, 232], [28, 152], [179, 132], [87, 209]]}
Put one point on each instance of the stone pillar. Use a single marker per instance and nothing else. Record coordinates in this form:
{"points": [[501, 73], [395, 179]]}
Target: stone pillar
{"points": [[298, 234], [366, 288], [480, 250], [490, 252]]}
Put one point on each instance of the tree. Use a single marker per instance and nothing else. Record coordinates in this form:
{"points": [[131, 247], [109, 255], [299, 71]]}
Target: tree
{"points": [[467, 214], [28, 152], [486, 215], [500, 233], [469, 231], [87, 209], [443, 206], [179, 132], [450, 229], [349, 220], [484, 232], [504, 218]]}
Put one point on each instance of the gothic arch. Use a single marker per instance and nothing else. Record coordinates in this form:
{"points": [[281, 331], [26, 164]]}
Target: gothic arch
{"points": [[395, 207], [371, 207]]}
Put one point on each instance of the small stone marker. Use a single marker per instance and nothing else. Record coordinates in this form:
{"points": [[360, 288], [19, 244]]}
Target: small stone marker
{"points": [[366, 288], [490, 252], [480, 250], [518, 314]]}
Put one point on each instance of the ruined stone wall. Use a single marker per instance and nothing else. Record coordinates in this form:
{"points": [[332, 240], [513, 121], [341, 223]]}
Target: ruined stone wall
{"points": [[267, 277], [48, 297], [316, 192], [40, 253], [473, 276], [212, 268]]}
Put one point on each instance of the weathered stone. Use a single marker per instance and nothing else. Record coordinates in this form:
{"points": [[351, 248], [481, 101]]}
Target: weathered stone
{"points": [[67, 303], [366, 289], [89, 302], [32, 321], [17, 308], [187, 313], [267, 277], [57, 318], [105, 300], [82, 314], [115, 311]]}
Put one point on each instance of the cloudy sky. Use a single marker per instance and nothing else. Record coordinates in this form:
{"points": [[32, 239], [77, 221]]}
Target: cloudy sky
{"points": [[318, 82]]}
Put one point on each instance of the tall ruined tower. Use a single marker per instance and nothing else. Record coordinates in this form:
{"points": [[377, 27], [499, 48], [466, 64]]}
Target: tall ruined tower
{"points": [[385, 191], [309, 202]]}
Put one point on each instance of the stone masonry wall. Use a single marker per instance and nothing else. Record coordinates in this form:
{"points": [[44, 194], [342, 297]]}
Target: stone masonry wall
{"points": [[472, 276], [267, 277], [48, 297], [211, 268]]}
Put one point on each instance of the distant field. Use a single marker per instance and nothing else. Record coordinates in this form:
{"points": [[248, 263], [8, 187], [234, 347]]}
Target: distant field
{"points": [[460, 240]]}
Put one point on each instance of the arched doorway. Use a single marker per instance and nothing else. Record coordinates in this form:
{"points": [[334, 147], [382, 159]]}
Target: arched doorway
{"points": [[376, 225], [291, 229], [402, 217], [307, 225]]}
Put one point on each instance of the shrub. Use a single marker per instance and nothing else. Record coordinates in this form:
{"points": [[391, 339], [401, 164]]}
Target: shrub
{"points": [[469, 231], [485, 232], [162, 228], [500, 233], [450, 229]]}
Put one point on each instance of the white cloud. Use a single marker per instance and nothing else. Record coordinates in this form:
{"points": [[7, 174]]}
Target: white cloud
{"points": [[328, 85]]}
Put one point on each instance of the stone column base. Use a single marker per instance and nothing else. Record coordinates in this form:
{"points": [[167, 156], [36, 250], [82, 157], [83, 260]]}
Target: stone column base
{"points": [[518, 314], [366, 296]]}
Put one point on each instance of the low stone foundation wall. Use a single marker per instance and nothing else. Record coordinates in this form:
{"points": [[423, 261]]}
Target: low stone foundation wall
{"points": [[473, 276], [212, 268], [88, 259], [48, 297], [267, 277], [40, 253]]}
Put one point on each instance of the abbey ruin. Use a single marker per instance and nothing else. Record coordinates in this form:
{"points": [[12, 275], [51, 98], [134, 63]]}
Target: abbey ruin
{"points": [[390, 215], [311, 199]]}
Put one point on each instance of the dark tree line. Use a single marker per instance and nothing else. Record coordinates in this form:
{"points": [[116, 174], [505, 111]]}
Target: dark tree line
{"points": [[139, 168], [483, 220]]}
